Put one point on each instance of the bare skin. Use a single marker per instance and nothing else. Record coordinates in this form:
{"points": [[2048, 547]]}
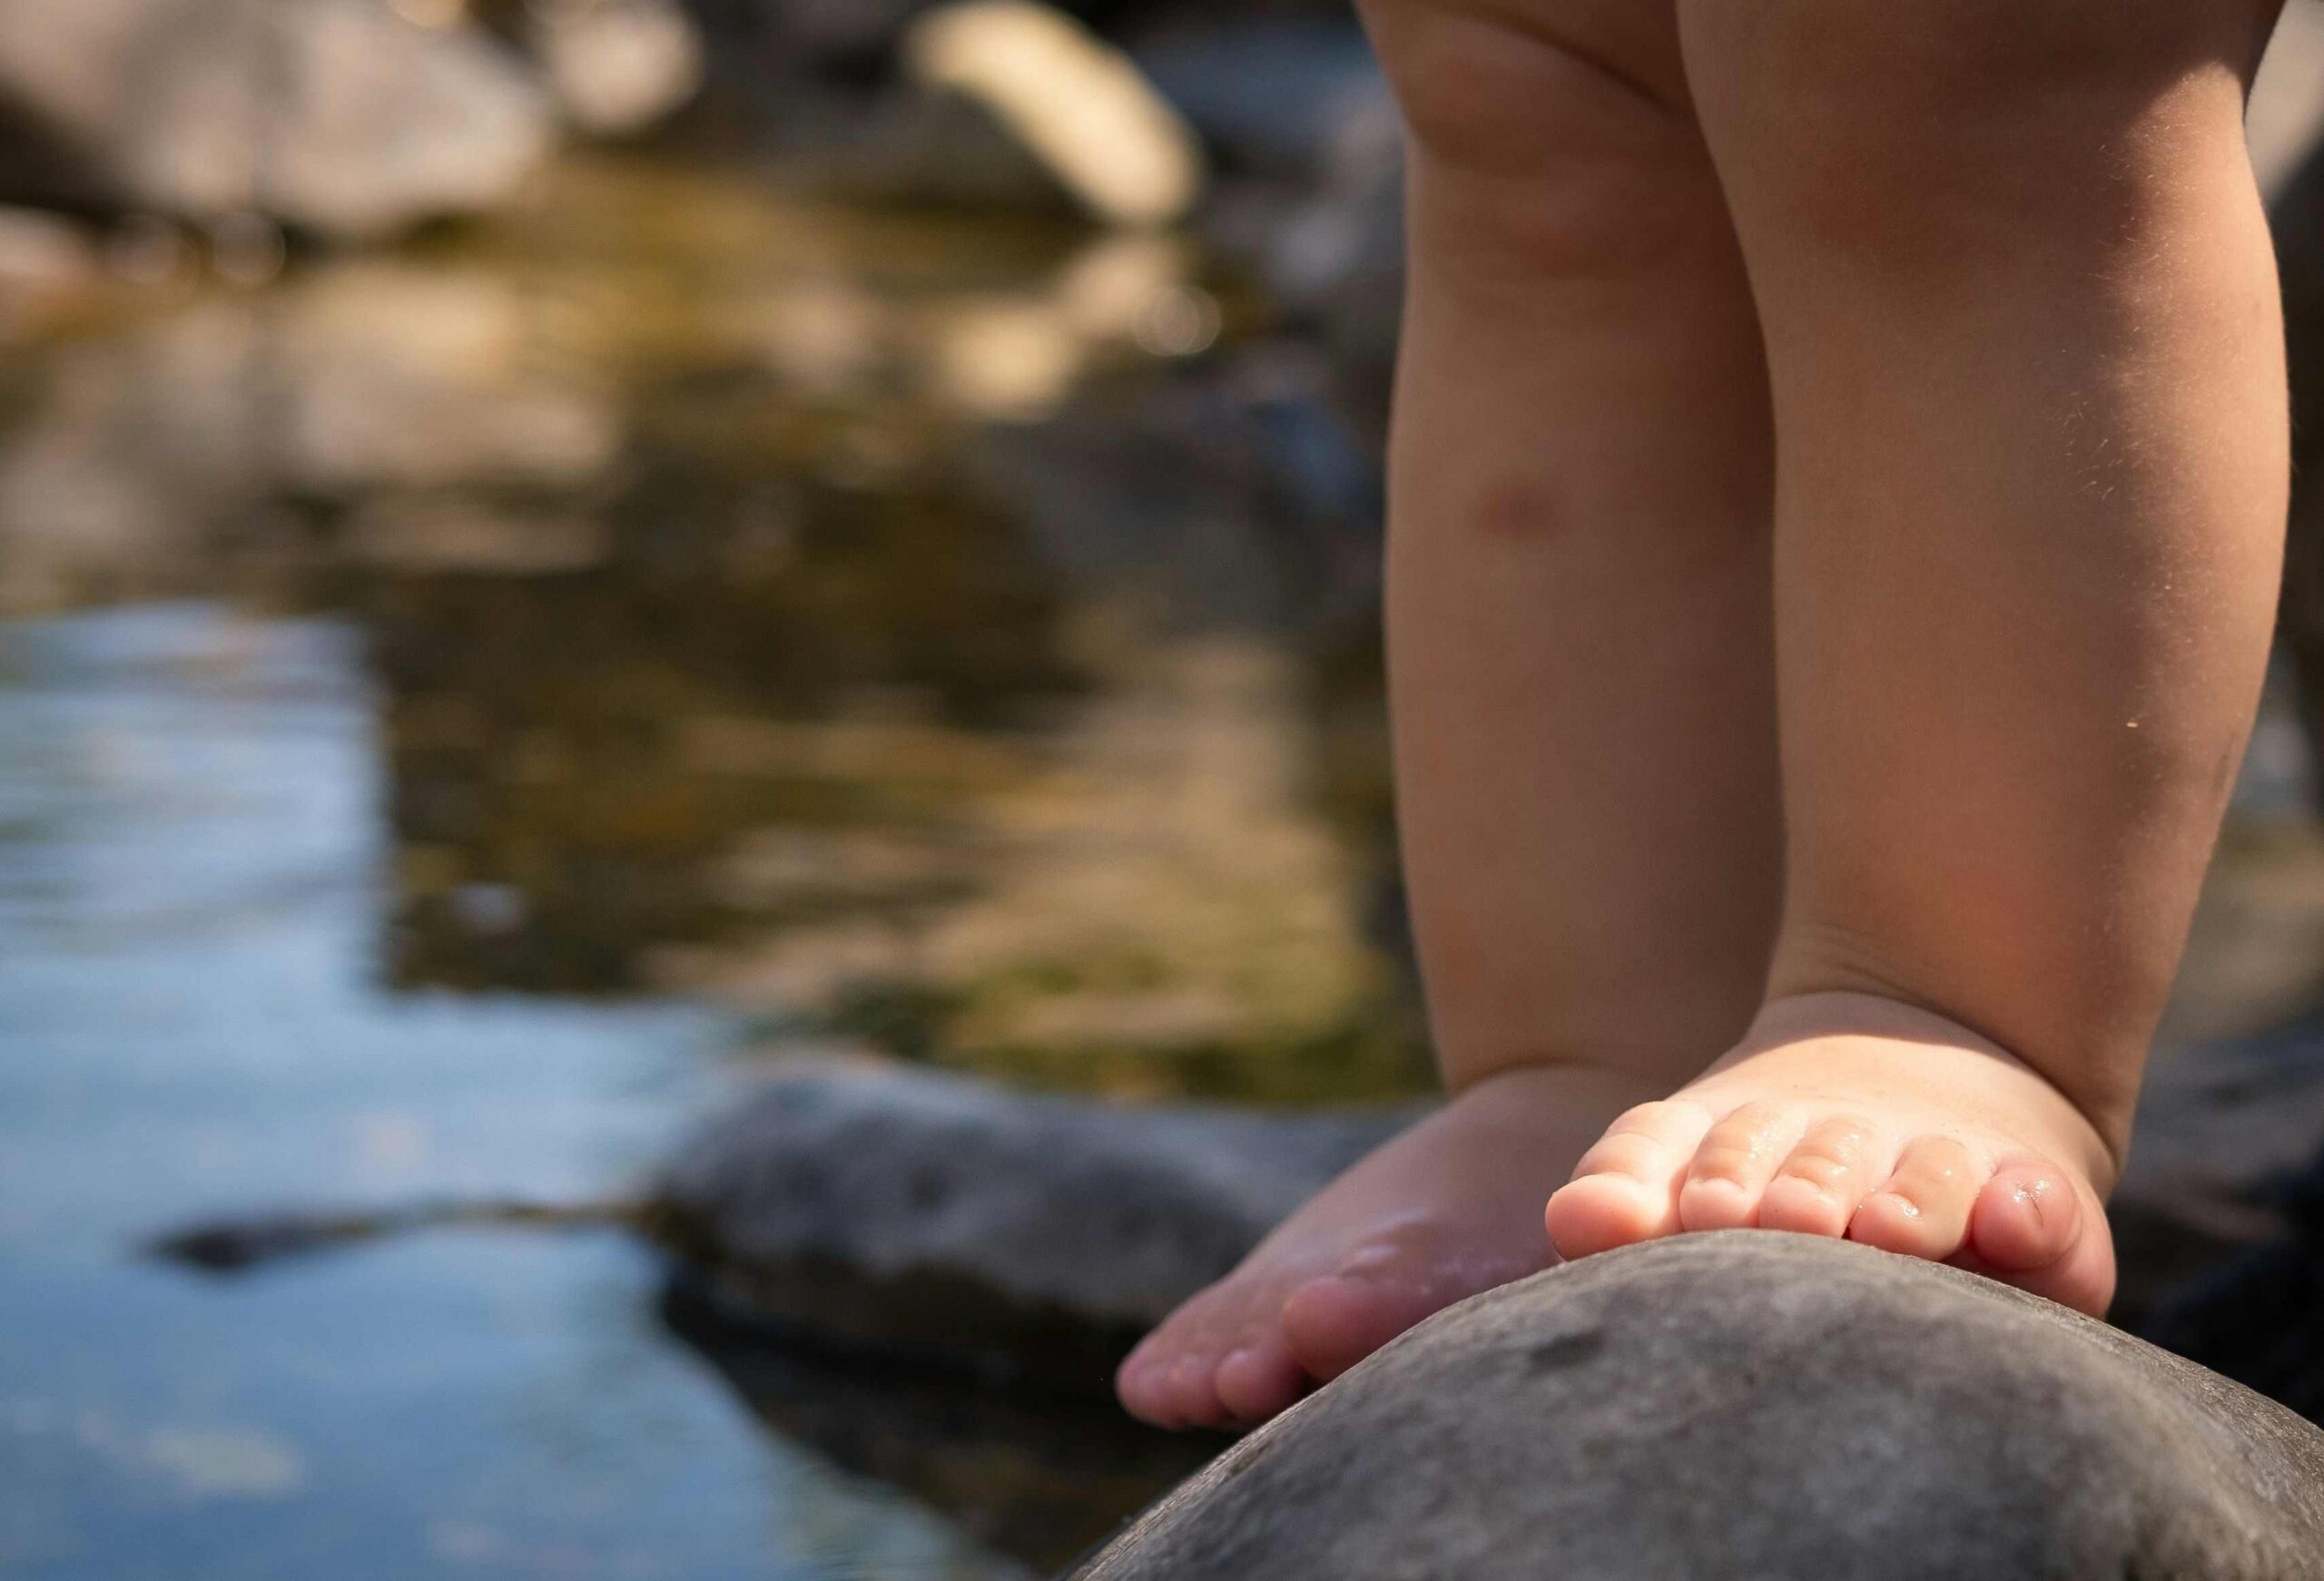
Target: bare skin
{"points": [[2009, 267], [1590, 822], [1451, 1208], [2027, 359], [1854, 1116]]}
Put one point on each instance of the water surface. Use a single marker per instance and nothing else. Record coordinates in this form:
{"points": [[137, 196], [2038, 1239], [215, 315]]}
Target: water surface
{"points": [[462, 712], [194, 1021]]}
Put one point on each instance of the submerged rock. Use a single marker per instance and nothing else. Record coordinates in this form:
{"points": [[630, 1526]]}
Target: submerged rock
{"points": [[1763, 1406], [347, 118], [949, 1221]]}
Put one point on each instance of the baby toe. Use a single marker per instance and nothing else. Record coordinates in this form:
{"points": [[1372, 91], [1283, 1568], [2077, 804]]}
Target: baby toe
{"points": [[1194, 1393], [1731, 1168], [1626, 1187], [1820, 1186], [1143, 1384], [1333, 1323], [1167, 1379], [2027, 1218], [2031, 1227], [1259, 1380], [1923, 1209]]}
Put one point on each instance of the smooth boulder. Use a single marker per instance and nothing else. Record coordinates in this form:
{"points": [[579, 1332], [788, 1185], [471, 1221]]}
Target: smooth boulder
{"points": [[952, 1222], [1755, 1406]]}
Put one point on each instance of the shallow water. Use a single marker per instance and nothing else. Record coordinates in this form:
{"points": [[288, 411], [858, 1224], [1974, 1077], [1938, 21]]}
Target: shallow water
{"points": [[462, 712], [195, 1021]]}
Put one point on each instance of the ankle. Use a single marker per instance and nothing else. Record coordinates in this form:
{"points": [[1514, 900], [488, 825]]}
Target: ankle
{"points": [[1621, 1083], [1656, 1036]]}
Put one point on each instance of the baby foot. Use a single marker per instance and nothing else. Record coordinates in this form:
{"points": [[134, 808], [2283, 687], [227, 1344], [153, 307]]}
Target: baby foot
{"points": [[1856, 1118], [1451, 1208]]}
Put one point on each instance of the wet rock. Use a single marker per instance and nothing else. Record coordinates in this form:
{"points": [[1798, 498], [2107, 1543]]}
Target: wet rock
{"points": [[957, 1223], [349, 118], [1764, 1406], [1075, 103]]}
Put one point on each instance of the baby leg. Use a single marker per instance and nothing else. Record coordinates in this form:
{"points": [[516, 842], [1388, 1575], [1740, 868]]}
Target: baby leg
{"points": [[2024, 334], [1582, 666]]}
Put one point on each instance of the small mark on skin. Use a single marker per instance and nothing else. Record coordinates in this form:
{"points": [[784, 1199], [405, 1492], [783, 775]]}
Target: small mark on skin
{"points": [[1567, 1350], [1523, 512]]}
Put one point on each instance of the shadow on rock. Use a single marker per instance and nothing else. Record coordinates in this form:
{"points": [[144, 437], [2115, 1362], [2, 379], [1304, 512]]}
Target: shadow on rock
{"points": [[1038, 1478]]}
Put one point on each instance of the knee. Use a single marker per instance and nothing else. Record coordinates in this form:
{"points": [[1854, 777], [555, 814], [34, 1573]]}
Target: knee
{"points": [[1877, 127], [1555, 148]]}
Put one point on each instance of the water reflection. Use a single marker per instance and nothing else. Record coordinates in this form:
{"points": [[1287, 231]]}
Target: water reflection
{"points": [[724, 643], [1043, 1480], [528, 672], [192, 1022]]}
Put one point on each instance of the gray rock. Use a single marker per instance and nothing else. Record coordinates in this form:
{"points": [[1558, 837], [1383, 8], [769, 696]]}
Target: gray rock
{"points": [[1755, 1406], [949, 1220], [1078, 105], [615, 66], [2223, 1126], [341, 117]]}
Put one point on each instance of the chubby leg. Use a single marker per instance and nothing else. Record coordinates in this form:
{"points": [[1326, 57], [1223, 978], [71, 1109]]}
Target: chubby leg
{"points": [[1581, 667], [2022, 329]]}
